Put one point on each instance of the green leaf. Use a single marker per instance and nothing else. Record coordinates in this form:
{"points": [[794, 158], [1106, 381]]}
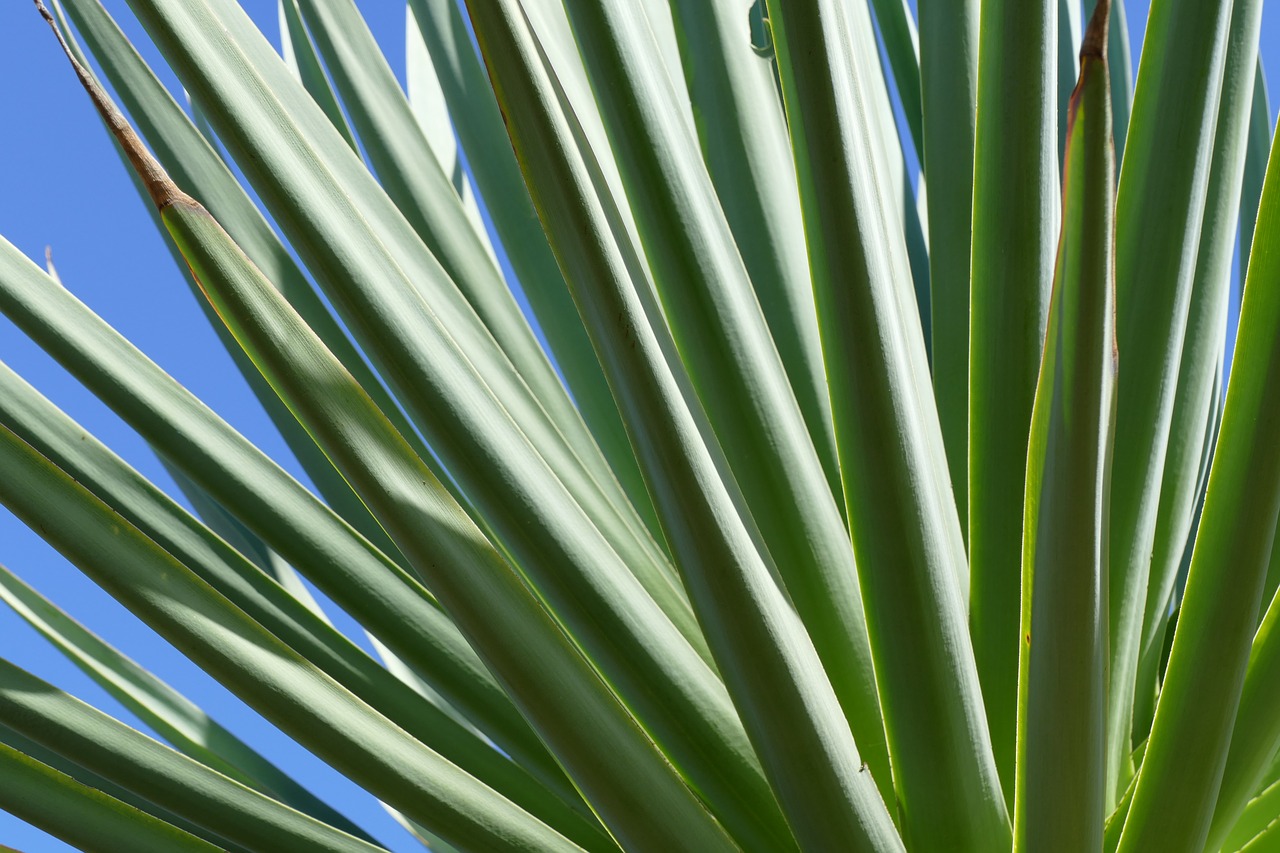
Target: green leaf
{"points": [[242, 539], [1159, 211], [536, 520], [621, 771], [1060, 799], [257, 667], [412, 177], [949, 79], [1115, 821], [1273, 579], [549, 21], [1120, 65], [378, 593], [743, 135], [167, 712], [300, 55], [1070, 28], [1267, 841], [165, 777], [890, 166], [1194, 401], [1178, 783], [902, 49], [897, 490], [735, 787], [1154, 652], [34, 750], [771, 668], [1260, 819], [196, 163], [623, 775], [1016, 212], [724, 342], [182, 723], [395, 493], [401, 306], [480, 132], [1255, 165], [427, 101], [80, 815]]}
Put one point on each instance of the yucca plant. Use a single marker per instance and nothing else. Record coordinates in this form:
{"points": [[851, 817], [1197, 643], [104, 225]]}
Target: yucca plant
{"points": [[821, 513]]}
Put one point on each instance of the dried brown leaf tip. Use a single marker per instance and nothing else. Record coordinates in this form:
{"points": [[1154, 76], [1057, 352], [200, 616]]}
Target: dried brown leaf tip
{"points": [[160, 186], [1095, 36]]}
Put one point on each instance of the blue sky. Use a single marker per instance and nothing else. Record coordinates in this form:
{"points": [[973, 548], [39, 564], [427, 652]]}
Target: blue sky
{"points": [[62, 186]]}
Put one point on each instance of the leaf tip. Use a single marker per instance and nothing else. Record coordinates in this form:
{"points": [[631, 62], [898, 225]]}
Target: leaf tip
{"points": [[1095, 36], [160, 186]]}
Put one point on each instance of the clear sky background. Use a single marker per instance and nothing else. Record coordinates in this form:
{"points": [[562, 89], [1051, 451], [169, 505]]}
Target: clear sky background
{"points": [[62, 186]]}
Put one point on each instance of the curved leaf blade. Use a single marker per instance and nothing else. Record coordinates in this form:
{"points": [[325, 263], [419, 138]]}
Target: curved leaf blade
{"points": [[258, 667], [1016, 212], [1178, 784], [163, 709], [624, 776], [81, 815], [481, 134], [353, 573], [1159, 212], [949, 37], [1196, 397], [163, 776], [788, 708], [897, 490], [1061, 797], [408, 314]]}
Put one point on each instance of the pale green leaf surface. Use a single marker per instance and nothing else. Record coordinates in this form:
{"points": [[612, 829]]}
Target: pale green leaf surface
{"points": [[1178, 783], [1060, 799], [427, 101], [743, 135], [724, 341], [789, 710], [735, 785], [163, 709], [396, 299], [58, 438], [895, 178], [624, 776], [165, 777], [1159, 210], [890, 164], [256, 666], [198, 166], [1201, 360], [300, 55], [352, 573], [81, 815], [244, 540], [949, 80], [1016, 212], [661, 676], [897, 489], [902, 50], [1153, 658], [412, 177], [480, 132], [92, 780]]}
